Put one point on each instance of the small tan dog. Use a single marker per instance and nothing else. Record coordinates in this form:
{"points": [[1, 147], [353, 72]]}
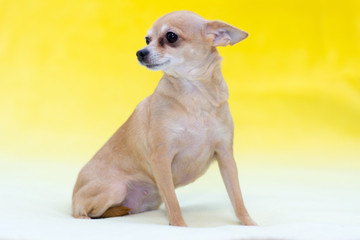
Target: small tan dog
{"points": [[174, 134]]}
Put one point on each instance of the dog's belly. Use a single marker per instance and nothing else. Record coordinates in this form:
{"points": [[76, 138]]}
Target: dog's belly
{"points": [[186, 169], [195, 153]]}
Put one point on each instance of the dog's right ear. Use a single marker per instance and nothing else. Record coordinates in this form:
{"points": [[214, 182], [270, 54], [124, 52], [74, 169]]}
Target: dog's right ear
{"points": [[222, 34]]}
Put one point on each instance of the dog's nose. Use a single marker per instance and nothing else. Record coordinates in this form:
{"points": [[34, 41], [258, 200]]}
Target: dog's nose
{"points": [[141, 54]]}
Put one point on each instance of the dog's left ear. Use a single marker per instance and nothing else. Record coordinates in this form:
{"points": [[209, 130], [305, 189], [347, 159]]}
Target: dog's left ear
{"points": [[222, 34]]}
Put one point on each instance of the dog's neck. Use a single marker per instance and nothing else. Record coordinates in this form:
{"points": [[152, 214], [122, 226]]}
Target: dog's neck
{"points": [[203, 83], [201, 70]]}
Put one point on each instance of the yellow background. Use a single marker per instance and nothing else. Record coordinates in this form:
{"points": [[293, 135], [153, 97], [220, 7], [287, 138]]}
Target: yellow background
{"points": [[69, 77]]}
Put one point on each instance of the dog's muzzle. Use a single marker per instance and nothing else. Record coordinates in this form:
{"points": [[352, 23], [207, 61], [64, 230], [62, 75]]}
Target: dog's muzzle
{"points": [[142, 54]]}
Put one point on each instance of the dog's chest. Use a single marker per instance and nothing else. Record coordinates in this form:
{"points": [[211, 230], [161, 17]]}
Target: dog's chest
{"points": [[196, 137]]}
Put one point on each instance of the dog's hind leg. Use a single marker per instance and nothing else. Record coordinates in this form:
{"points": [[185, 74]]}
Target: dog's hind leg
{"points": [[99, 199]]}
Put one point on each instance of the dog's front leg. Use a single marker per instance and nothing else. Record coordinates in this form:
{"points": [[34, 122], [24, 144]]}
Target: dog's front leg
{"points": [[161, 167], [229, 174]]}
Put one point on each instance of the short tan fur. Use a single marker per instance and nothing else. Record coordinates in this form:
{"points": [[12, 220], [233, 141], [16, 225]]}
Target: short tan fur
{"points": [[174, 134]]}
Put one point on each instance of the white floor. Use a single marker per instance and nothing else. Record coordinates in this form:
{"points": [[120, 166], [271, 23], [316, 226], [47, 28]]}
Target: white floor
{"points": [[287, 203]]}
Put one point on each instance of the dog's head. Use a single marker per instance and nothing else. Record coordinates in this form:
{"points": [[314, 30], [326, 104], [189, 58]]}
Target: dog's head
{"points": [[180, 41]]}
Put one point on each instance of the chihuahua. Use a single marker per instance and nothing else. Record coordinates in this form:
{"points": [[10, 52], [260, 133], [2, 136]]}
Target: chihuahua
{"points": [[174, 134]]}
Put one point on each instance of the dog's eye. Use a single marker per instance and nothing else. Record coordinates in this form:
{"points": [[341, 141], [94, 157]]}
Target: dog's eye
{"points": [[171, 37], [147, 39]]}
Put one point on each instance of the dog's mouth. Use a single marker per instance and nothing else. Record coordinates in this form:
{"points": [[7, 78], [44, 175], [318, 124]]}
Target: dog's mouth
{"points": [[153, 66]]}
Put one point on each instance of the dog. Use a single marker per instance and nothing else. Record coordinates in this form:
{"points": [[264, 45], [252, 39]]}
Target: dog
{"points": [[174, 134]]}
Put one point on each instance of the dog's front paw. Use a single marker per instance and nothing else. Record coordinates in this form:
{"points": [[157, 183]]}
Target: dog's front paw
{"points": [[178, 223], [248, 222]]}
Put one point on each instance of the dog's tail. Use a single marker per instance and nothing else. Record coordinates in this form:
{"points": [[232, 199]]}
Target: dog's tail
{"points": [[115, 212]]}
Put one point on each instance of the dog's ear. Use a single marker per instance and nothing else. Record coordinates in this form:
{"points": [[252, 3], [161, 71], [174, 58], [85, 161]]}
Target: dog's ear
{"points": [[222, 34]]}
